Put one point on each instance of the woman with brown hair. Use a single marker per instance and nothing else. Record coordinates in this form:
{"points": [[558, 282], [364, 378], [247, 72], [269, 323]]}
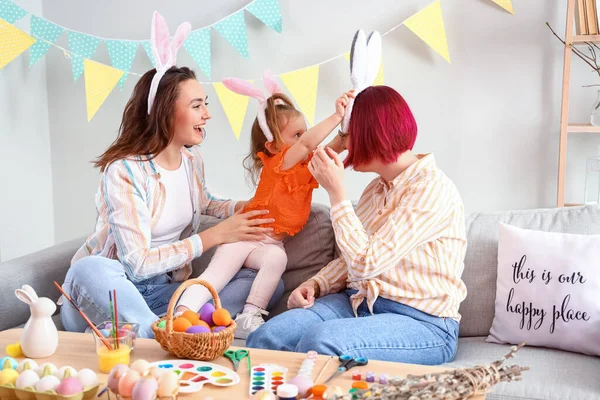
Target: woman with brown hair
{"points": [[151, 195]]}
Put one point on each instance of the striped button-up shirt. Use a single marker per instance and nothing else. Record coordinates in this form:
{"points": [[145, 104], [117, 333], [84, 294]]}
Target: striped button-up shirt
{"points": [[406, 242], [129, 202]]}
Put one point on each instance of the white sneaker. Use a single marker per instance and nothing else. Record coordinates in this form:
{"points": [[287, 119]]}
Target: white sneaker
{"points": [[248, 322]]}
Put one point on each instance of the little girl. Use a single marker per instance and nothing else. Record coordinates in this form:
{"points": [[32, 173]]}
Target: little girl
{"points": [[281, 147]]}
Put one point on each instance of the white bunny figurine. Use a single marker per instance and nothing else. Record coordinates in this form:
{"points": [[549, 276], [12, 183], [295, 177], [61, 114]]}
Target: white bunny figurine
{"points": [[40, 336]]}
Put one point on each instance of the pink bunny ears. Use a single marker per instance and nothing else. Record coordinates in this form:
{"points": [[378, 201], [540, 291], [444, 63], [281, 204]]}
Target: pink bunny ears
{"points": [[246, 88], [164, 50]]}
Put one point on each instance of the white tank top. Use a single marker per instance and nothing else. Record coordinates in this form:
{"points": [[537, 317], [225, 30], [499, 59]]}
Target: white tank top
{"points": [[177, 213]]}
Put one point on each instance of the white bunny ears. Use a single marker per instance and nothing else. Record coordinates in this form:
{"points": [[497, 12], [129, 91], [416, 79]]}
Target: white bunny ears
{"points": [[164, 50], [365, 59], [246, 88]]}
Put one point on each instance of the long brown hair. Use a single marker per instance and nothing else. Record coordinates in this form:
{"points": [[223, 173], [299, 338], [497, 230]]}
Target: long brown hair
{"points": [[277, 115], [143, 134]]}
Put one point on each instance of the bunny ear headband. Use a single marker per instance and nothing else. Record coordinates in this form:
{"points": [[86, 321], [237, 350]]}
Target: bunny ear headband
{"points": [[164, 50], [365, 59], [246, 88]]}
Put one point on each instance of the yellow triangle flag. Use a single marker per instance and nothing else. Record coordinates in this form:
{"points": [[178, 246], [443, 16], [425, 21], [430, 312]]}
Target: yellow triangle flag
{"points": [[428, 25], [506, 4], [235, 106], [378, 78], [302, 84], [100, 79], [13, 42]]}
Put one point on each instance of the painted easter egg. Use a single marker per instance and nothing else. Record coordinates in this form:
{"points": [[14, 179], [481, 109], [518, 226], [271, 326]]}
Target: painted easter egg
{"points": [[48, 383], [145, 389], [27, 379], [221, 317], [197, 329], [8, 376], [162, 324], [46, 369], [87, 377], [206, 313], [218, 329], [140, 366], [156, 372], [27, 364], [191, 316], [181, 324], [69, 386], [128, 327], [66, 372], [8, 362], [115, 375], [127, 382], [168, 384], [105, 332]]}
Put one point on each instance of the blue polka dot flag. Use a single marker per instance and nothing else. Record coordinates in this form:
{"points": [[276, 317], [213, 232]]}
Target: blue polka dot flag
{"points": [[268, 12], [148, 47], [46, 33], [10, 12], [233, 29], [82, 46], [122, 53], [197, 45]]}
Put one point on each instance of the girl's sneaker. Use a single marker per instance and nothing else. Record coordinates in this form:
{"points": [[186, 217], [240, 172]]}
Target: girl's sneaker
{"points": [[248, 322]]}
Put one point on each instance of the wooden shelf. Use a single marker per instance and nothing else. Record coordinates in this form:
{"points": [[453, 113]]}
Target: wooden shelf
{"points": [[579, 39], [573, 205], [583, 128]]}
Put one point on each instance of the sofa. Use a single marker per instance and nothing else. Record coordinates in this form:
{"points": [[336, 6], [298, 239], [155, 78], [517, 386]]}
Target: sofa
{"points": [[553, 374]]}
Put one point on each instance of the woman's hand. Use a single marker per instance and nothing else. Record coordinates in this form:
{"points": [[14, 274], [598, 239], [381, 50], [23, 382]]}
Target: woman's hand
{"points": [[328, 169], [342, 102], [237, 228], [303, 296]]}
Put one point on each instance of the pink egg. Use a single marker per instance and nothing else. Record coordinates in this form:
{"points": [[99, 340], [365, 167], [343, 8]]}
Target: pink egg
{"points": [[206, 313], [145, 389], [197, 329], [115, 375], [127, 382], [69, 386]]}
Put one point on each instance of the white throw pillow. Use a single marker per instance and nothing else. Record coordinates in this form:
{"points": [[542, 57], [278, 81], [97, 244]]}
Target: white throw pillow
{"points": [[548, 290]]}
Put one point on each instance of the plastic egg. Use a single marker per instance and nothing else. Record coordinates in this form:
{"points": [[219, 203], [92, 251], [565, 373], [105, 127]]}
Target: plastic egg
{"points": [[218, 329], [105, 332], [264, 394], [127, 382], [221, 317], [66, 372], [303, 382], [168, 384], [8, 376], [27, 379], [46, 369], [27, 364], [47, 384], [156, 372], [145, 389], [206, 313], [140, 366], [114, 376], [8, 362], [87, 377], [69, 386], [197, 329]]}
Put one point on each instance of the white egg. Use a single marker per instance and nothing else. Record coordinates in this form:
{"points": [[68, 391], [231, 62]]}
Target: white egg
{"points": [[66, 372], [47, 383], [46, 369], [27, 364], [88, 378], [140, 366], [156, 372], [27, 379], [168, 384]]}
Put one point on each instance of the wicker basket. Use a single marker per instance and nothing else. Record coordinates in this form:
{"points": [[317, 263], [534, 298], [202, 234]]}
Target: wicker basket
{"points": [[193, 346]]}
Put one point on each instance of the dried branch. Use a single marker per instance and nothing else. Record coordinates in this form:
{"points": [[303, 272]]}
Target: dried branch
{"points": [[587, 59], [455, 384]]}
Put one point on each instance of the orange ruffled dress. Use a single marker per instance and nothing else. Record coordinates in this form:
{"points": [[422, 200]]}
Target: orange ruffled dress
{"points": [[286, 194]]}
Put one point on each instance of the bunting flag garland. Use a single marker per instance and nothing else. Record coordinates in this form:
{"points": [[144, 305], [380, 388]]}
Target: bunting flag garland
{"points": [[121, 55], [148, 48], [302, 84], [235, 106], [506, 4], [197, 44], [428, 25], [45, 33], [82, 46], [233, 29], [13, 42], [10, 12], [100, 80], [268, 12]]}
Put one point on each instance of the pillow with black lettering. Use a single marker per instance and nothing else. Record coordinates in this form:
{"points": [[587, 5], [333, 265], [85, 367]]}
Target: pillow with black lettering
{"points": [[547, 290]]}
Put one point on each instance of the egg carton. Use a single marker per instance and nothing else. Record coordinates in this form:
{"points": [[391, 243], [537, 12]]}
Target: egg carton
{"points": [[11, 393]]}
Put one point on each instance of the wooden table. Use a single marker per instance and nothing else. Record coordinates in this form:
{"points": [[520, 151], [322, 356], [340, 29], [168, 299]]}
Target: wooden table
{"points": [[78, 350]]}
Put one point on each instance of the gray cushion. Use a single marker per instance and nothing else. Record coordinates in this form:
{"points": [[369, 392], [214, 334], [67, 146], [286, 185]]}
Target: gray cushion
{"points": [[482, 254], [553, 374]]}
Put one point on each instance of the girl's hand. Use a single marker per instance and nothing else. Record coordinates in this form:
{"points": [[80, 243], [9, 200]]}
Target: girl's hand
{"points": [[240, 227], [302, 297], [342, 102], [328, 169]]}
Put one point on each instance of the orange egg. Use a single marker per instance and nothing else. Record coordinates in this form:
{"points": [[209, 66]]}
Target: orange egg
{"points": [[181, 324], [221, 317], [201, 323], [191, 316]]}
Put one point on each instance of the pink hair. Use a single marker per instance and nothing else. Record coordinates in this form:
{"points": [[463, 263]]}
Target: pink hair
{"points": [[381, 127]]}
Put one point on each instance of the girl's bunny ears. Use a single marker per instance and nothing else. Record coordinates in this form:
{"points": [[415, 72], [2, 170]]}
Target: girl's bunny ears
{"points": [[365, 59], [164, 50], [246, 88]]}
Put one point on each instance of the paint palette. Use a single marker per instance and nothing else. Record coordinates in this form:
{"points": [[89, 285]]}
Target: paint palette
{"points": [[267, 376], [194, 374]]}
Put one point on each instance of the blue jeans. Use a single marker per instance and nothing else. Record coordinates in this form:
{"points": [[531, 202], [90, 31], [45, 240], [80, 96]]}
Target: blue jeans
{"points": [[90, 279], [395, 332]]}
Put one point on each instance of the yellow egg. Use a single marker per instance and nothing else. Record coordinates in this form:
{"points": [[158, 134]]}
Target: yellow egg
{"points": [[168, 384], [127, 382], [8, 376]]}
